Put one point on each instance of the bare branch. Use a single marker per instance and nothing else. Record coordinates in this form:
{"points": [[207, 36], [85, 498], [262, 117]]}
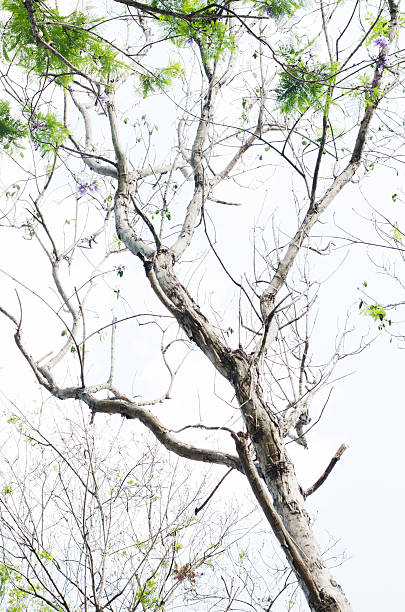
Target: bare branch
{"points": [[328, 470]]}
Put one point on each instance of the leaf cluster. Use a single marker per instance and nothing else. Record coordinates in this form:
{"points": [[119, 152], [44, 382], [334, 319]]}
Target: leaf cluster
{"points": [[380, 28], [47, 132], [17, 595], [70, 35], [160, 79], [212, 35], [276, 9], [396, 232], [303, 83], [11, 130], [148, 595], [376, 311]]}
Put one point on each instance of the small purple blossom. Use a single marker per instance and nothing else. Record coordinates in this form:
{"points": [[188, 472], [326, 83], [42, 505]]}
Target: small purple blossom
{"points": [[84, 188], [36, 124], [189, 41], [381, 42], [268, 11], [382, 61]]}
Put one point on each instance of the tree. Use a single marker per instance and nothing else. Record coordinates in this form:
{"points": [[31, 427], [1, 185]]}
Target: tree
{"points": [[276, 89], [85, 526]]}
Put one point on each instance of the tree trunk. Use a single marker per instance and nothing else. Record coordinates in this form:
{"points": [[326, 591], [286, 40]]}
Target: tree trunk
{"points": [[241, 370], [321, 590]]}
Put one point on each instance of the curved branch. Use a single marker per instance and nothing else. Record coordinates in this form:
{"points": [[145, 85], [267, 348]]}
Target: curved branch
{"points": [[92, 161], [51, 49], [130, 410], [200, 190], [125, 231]]}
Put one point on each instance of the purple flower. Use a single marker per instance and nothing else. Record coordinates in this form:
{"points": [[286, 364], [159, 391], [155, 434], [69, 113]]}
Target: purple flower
{"points": [[268, 11], [36, 124], [84, 188], [382, 61], [381, 42], [189, 41]]}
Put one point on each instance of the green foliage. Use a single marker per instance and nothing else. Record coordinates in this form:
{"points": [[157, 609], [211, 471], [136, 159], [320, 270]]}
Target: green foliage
{"points": [[116, 244], [160, 79], [277, 9], [303, 84], [148, 596], [380, 28], [17, 595], [45, 554], [376, 311], [163, 212], [14, 419], [47, 132], [396, 234], [69, 35], [212, 36], [11, 130]]}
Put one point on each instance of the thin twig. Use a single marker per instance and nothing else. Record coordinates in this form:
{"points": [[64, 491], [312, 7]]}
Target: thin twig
{"points": [[198, 509], [328, 470]]}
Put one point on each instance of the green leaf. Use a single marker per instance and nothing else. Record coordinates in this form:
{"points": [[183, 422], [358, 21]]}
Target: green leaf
{"points": [[73, 36], [376, 312], [303, 84], [160, 79], [11, 130], [277, 9], [47, 132]]}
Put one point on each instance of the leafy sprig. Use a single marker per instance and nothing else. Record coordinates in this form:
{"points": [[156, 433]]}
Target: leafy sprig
{"points": [[12, 130], [304, 82], [47, 132], [160, 79], [70, 35]]}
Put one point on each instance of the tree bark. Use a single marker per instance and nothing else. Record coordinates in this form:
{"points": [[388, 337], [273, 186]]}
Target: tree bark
{"points": [[297, 539]]}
